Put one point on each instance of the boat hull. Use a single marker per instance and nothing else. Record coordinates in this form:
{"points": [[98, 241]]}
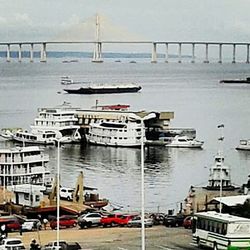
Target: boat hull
{"points": [[102, 90], [183, 146]]}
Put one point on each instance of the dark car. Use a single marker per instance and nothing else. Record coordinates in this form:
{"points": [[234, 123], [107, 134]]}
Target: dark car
{"points": [[173, 221]]}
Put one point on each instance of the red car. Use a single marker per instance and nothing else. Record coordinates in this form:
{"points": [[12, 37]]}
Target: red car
{"points": [[124, 219], [116, 219], [110, 220], [11, 224], [64, 222]]}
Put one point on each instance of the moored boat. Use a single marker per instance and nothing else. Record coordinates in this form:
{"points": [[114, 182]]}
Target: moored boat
{"points": [[104, 89], [61, 120], [119, 133], [41, 137], [244, 145], [182, 142], [23, 165], [247, 80], [7, 133]]}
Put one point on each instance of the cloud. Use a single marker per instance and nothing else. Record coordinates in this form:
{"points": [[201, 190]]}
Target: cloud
{"points": [[3, 20], [22, 19]]}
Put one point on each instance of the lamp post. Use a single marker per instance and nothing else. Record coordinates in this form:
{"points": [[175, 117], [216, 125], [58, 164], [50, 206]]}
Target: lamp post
{"points": [[58, 194], [142, 119]]}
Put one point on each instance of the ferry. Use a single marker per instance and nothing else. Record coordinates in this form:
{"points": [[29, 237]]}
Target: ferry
{"points": [[23, 165], [181, 142], [247, 80], [41, 137], [115, 133], [61, 120], [104, 89], [244, 145]]}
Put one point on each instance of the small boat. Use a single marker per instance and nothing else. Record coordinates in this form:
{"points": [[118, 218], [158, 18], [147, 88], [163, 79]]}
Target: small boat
{"points": [[182, 142], [247, 80], [7, 133], [42, 137], [244, 145], [66, 80], [105, 89]]}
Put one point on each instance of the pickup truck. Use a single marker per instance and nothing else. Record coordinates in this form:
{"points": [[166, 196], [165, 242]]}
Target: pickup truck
{"points": [[62, 245]]}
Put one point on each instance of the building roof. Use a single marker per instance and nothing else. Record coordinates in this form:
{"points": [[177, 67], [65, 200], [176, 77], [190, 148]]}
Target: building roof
{"points": [[232, 201]]}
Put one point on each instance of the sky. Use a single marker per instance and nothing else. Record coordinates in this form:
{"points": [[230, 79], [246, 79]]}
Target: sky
{"points": [[154, 20]]}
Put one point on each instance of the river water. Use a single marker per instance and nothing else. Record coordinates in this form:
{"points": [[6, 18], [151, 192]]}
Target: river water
{"points": [[192, 91]]}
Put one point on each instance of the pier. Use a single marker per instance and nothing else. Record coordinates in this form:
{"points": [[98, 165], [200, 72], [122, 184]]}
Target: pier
{"points": [[98, 49]]}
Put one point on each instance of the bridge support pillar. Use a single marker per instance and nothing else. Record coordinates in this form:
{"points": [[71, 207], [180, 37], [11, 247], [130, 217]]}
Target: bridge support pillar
{"points": [[31, 52], [193, 53], [247, 61], [220, 53], [43, 56], [8, 53], [206, 56], [154, 54], [180, 56], [97, 55], [234, 53], [20, 53], [166, 55]]}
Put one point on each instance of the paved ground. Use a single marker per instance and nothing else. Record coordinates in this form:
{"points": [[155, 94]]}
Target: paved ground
{"points": [[157, 237]]}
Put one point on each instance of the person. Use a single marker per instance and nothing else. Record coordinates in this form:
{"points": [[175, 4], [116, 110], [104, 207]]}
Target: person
{"points": [[34, 245], [4, 230], [45, 222]]}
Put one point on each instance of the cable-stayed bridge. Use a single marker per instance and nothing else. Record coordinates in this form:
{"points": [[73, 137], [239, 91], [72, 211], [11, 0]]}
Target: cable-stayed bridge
{"points": [[99, 31]]}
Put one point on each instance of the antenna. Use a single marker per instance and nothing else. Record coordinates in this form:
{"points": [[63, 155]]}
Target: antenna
{"points": [[221, 139]]}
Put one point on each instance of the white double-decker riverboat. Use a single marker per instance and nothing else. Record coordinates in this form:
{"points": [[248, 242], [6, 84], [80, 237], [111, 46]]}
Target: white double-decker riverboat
{"points": [[115, 133], [23, 165], [61, 120]]}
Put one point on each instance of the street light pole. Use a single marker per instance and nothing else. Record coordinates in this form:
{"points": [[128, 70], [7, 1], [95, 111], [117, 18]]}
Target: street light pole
{"points": [[142, 188], [58, 194], [142, 119]]}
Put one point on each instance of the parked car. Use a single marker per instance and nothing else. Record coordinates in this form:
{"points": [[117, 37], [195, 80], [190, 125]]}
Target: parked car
{"points": [[31, 224], [11, 243], [136, 222], [62, 245], [124, 219], [90, 219], [66, 193], [110, 220], [173, 221], [157, 218], [64, 222], [12, 225], [187, 223]]}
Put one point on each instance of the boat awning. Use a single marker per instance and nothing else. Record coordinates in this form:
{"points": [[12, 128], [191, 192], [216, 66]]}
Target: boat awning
{"points": [[231, 201]]}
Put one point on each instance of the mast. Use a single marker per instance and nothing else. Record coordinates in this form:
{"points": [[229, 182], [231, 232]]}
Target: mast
{"points": [[221, 139]]}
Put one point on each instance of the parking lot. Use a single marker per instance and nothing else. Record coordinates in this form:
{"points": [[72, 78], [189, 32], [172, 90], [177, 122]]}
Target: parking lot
{"points": [[157, 237]]}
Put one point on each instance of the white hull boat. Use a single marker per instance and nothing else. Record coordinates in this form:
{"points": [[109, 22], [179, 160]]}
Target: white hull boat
{"points": [[182, 142], [244, 145], [43, 137], [123, 134]]}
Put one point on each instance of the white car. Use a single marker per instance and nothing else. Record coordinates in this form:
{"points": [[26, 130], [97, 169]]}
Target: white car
{"points": [[66, 193], [11, 244], [136, 222], [88, 220], [31, 224]]}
